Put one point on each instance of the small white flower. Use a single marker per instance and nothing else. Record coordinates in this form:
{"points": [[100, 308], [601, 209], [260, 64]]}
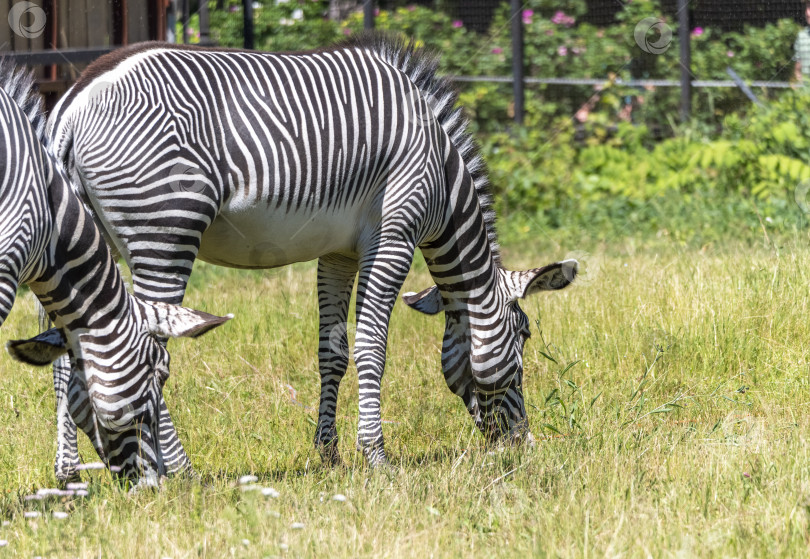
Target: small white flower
{"points": [[3, 543], [93, 466], [31, 514], [77, 485], [286, 21], [246, 542], [244, 480], [298, 14], [58, 514], [283, 546], [297, 526], [270, 492], [339, 497]]}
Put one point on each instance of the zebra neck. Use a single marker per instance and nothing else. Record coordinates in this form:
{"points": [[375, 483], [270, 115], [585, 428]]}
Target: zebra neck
{"points": [[460, 258], [78, 282]]}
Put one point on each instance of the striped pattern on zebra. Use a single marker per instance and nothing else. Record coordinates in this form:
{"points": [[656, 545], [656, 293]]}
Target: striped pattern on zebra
{"points": [[354, 155], [49, 242]]}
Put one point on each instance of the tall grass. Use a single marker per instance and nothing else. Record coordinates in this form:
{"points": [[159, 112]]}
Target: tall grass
{"points": [[668, 392]]}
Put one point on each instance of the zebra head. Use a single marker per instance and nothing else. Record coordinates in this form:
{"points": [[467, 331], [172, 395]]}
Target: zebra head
{"points": [[119, 422], [482, 352]]}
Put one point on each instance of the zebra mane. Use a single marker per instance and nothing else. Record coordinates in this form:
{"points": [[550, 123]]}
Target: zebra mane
{"points": [[19, 84], [421, 66]]}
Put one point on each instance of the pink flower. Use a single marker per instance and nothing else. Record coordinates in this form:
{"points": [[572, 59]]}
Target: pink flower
{"points": [[730, 54], [497, 50], [410, 7], [376, 12], [527, 16], [560, 18], [562, 50], [347, 31], [697, 32], [578, 50], [458, 23]]}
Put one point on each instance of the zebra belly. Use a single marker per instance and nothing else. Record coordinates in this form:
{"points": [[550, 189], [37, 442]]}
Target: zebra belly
{"points": [[264, 238]]}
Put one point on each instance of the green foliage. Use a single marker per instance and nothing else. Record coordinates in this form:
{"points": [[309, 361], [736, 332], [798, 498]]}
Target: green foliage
{"points": [[763, 156], [278, 26]]}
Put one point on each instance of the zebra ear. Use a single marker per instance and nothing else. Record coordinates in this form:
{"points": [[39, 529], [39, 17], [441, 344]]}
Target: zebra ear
{"points": [[548, 278], [40, 350], [428, 301], [172, 321]]}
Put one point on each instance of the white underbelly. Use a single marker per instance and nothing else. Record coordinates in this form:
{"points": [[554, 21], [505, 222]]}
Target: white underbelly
{"points": [[266, 238]]}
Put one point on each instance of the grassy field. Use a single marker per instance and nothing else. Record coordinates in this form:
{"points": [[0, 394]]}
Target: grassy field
{"points": [[668, 391]]}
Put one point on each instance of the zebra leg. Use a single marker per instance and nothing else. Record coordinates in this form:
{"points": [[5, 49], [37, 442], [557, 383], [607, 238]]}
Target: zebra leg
{"points": [[167, 288], [175, 458], [67, 450], [335, 282], [381, 276]]}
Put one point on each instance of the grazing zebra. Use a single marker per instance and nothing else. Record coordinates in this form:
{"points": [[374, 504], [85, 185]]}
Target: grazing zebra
{"points": [[49, 241], [354, 155]]}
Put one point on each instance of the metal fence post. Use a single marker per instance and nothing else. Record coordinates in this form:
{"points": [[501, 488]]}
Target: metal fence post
{"points": [[184, 14], [205, 34], [684, 39], [517, 60], [368, 14], [247, 9]]}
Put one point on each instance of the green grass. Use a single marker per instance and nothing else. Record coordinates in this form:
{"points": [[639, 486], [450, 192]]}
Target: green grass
{"points": [[668, 392]]}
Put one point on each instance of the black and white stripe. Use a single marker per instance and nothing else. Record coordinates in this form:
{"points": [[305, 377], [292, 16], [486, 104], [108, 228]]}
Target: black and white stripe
{"points": [[112, 386], [355, 155]]}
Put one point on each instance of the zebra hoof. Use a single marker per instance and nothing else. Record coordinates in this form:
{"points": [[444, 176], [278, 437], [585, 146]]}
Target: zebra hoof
{"points": [[377, 460], [147, 482], [330, 456], [67, 476]]}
